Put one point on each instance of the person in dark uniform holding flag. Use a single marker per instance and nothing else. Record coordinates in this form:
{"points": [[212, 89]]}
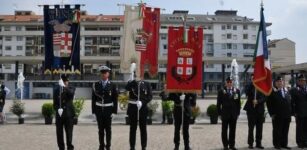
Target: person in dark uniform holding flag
{"points": [[299, 99], [186, 101], [140, 94], [228, 106], [63, 104], [280, 109], [255, 114], [104, 104]]}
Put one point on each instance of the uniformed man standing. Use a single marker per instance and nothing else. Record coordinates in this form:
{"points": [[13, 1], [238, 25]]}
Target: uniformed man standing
{"points": [[299, 99], [228, 106], [186, 101], [2, 102], [104, 104], [280, 110], [255, 115], [63, 104], [140, 94]]}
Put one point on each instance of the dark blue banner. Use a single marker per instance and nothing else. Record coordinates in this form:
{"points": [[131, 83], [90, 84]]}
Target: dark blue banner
{"points": [[62, 39]]}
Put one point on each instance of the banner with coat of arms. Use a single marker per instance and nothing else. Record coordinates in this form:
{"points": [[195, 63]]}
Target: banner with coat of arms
{"points": [[62, 39], [184, 65], [141, 45]]}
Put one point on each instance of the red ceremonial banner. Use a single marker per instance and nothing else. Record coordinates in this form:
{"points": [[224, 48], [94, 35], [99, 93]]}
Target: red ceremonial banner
{"points": [[151, 26], [184, 65]]}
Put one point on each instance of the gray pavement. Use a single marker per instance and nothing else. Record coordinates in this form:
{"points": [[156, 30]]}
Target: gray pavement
{"points": [[34, 135]]}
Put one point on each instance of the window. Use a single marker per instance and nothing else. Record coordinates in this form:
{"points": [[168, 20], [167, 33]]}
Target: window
{"points": [[211, 76], [248, 55], [249, 46], [8, 48], [245, 36], [7, 66], [223, 36], [209, 27], [223, 27], [245, 27], [229, 54], [228, 26], [245, 46], [234, 46], [223, 46], [18, 28], [7, 28], [19, 66], [19, 48], [229, 36], [163, 37], [8, 38], [165, 46], [19, 38], [253, 37], [254, 27], [229, 46], [235, 37], [234, 27]]}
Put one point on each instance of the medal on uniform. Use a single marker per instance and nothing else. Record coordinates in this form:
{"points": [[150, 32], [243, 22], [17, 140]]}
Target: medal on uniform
{"points": [[235, 96], [60, 111]]}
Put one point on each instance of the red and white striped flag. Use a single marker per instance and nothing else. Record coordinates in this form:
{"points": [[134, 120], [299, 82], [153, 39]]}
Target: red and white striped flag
{"points": [[262, 67]]}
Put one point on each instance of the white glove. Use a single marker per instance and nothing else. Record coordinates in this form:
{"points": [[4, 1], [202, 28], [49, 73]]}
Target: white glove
{"points": [[60, 111], [182, 97], [139, 104], [61, 83]]}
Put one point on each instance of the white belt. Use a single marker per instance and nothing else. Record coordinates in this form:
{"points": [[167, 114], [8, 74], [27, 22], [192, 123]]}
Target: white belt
{"points": [[133, 102], [104, 105]]}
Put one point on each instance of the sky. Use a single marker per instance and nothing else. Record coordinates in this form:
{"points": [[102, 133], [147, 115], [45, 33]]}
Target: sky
{"points": [[288, 17]]}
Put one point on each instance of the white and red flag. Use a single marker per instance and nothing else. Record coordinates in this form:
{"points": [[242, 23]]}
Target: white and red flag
{"points": [[262, 68]]}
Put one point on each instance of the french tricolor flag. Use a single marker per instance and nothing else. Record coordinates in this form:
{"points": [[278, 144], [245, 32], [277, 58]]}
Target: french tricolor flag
{"points": [[262, 67]]}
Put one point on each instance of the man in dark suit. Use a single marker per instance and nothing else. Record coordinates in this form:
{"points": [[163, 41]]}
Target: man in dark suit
{"points": [[186, 101], [63, 104], [228, 106], [299, 101], [2, 101], [255, 115], [104, 104], [140, 94], [280, 110]]}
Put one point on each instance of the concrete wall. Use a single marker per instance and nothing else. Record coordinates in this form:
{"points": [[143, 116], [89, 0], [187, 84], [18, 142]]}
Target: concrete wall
{"points": [[283, 54]]}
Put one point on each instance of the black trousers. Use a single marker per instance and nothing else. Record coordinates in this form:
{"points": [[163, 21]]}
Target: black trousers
{"points": [[231, 124], [67, 124], [255, 120], [163, 116], [133, 126], [280, 131], [104, 129], [301, 131], [185, 127]]}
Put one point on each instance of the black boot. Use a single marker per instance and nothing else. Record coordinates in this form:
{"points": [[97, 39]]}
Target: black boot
{"points": [[176, 147]]}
